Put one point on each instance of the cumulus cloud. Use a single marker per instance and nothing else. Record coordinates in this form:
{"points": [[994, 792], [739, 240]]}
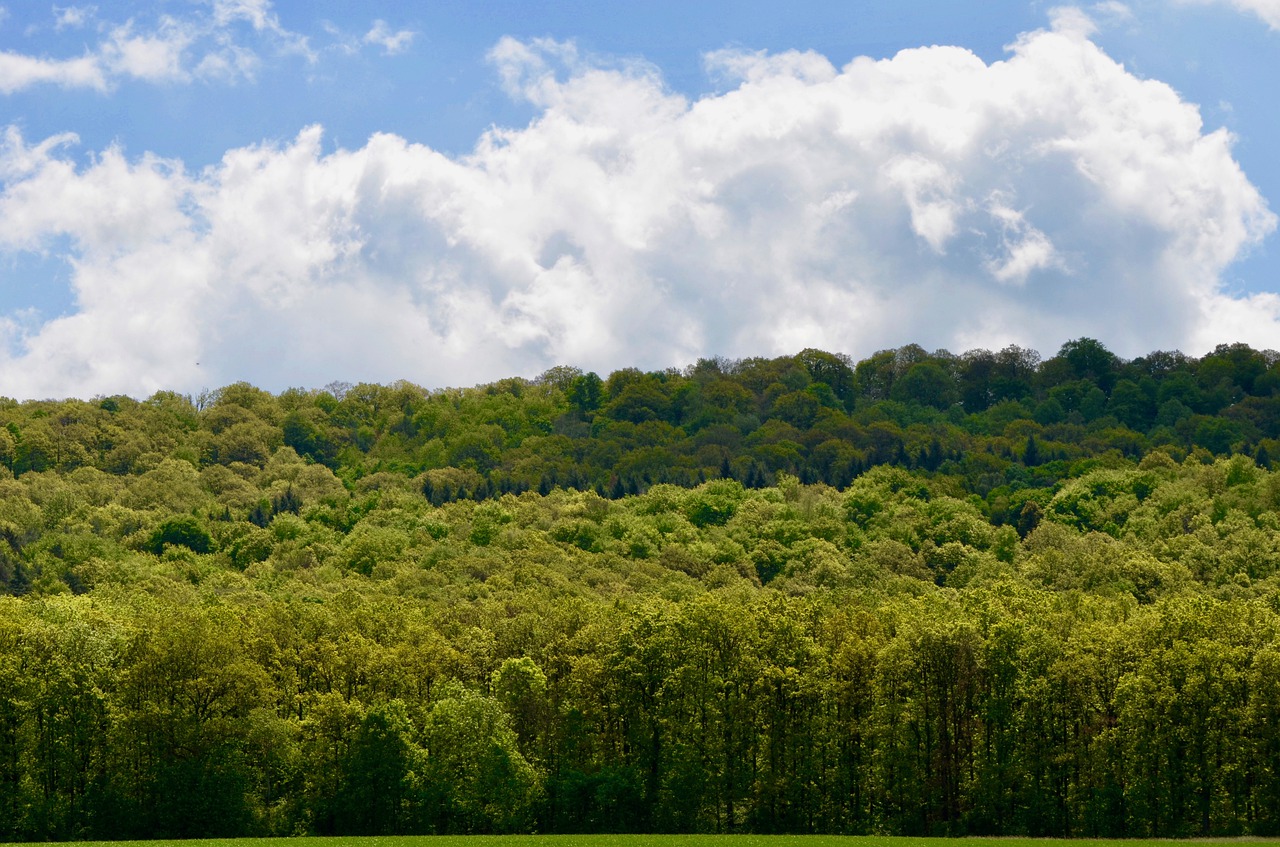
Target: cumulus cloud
{"points": [[156, 56], [929, 198]]}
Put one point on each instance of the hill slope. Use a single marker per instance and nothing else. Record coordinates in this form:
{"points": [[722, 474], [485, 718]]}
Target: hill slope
{"points": [[916, 594]]}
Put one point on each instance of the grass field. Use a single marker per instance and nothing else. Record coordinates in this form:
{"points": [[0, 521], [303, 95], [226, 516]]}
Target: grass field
{"points": [[648, 841]]}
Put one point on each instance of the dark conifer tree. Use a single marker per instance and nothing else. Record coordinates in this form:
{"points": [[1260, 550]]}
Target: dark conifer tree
{"points": [[289, 501], [1031, 453], [935, 457], [260, 514], [20, 580]]}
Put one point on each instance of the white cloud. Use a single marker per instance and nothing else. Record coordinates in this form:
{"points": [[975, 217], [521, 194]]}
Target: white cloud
{"points": [[73, 17], [231, 63], [1267, 10], [18, 72], [224, 43], [1113, 11], [391, 42], [257, 12], [737, 66], [156, 56], [1023, 250], [928, 188], [927, 198], [259, 15], [1072, 20]]}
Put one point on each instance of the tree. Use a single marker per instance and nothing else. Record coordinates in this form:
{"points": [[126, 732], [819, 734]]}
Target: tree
{"points": [[927, 384], [585, 392], [180, 531], [1083, 358], [833, 370], [521, 687], [875, 376], [377, 793], [1132, 406], [475, 779], [307, 431]]}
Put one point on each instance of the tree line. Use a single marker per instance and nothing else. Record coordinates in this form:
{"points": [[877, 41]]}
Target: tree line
{"points": [[817, 416], [678, 601]]}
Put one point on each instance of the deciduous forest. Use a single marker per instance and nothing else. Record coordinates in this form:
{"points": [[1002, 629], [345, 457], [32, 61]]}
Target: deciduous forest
{"points": [[921, 593]]}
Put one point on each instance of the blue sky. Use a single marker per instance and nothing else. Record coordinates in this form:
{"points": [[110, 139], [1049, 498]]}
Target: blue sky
{"points": [[196, 192]]}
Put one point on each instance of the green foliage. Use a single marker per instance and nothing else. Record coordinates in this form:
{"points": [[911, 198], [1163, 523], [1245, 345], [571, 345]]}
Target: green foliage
{"points": [[476, 780], [181, 531], [921, 594]]}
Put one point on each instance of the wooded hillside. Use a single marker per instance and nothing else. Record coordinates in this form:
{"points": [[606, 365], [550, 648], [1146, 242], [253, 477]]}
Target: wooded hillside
{"points": [[916, 594]]}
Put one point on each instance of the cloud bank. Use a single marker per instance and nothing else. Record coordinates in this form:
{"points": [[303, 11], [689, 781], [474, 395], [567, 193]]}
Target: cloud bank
{"points": [[927, 198]]}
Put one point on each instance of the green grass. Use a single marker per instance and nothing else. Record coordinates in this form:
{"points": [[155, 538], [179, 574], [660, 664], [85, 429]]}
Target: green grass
{"points": [[642, 841]]}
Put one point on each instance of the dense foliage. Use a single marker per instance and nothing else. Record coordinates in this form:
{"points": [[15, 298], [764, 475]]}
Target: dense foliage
{"points": [[919, 594]]}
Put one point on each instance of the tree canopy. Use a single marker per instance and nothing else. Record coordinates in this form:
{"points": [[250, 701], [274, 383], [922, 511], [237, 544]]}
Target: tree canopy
{"points": [[918, 594]]}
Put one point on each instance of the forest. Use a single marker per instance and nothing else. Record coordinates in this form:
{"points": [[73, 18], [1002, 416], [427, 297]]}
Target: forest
{"points": [[921, 594]]}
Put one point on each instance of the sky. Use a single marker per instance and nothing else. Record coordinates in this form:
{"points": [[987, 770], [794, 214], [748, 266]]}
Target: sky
{"points": [[199, 192]]}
